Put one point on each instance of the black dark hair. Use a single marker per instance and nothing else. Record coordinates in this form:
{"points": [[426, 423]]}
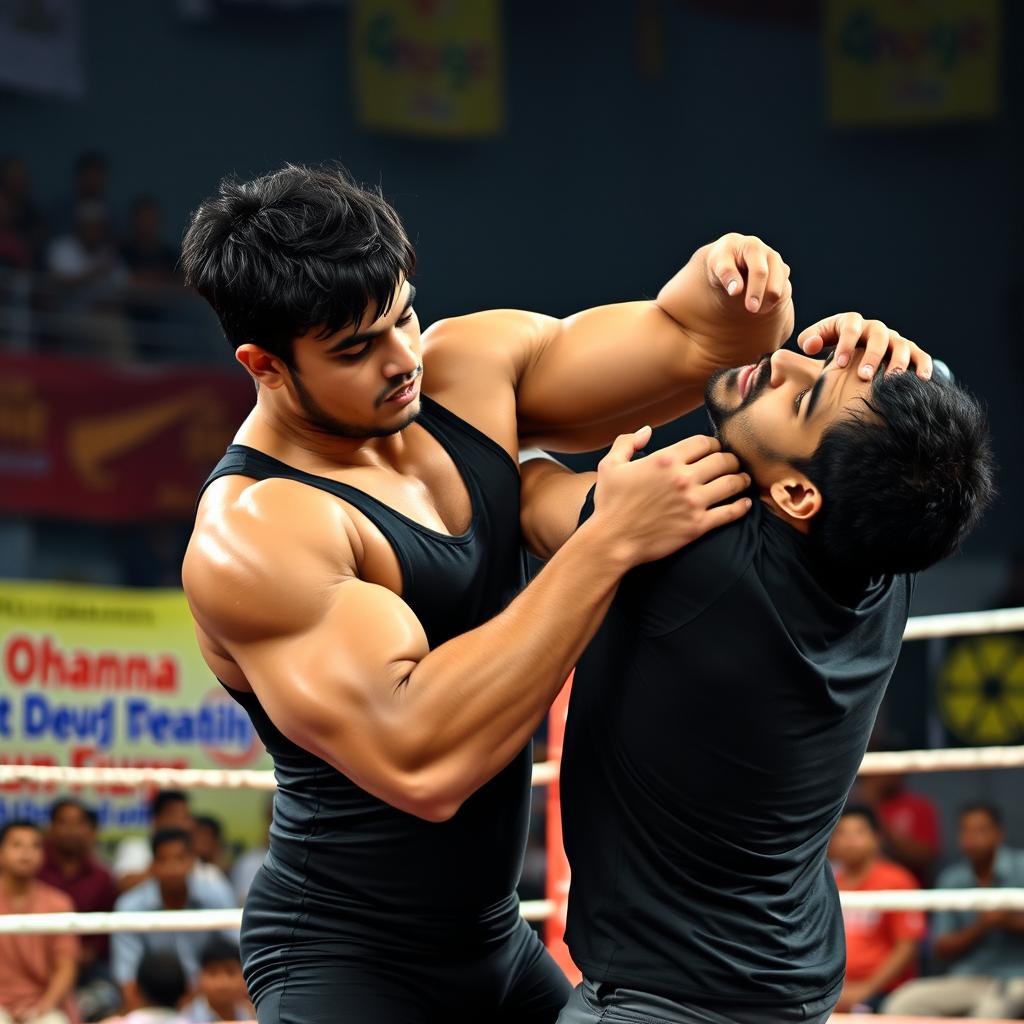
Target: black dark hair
{"points": [[904, 479], [10, 826], [165, 797], [982, 807], [71, 801], [218, 950], [161, 978], [298, 249], [212, 824], [170, 835], [865, 812]]}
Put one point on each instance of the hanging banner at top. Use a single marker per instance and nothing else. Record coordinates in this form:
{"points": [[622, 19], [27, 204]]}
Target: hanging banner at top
{"points": [[428, 67], [916, 61]]}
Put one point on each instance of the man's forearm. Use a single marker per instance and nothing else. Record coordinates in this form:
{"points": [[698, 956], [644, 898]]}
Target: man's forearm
{"points": [[61, 982], [710, 314], [954, 945], [892, 968], [512, 666]]}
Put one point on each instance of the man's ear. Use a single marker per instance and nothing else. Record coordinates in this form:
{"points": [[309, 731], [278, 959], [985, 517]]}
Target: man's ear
{"points": [[797, 497], [264, 368]]}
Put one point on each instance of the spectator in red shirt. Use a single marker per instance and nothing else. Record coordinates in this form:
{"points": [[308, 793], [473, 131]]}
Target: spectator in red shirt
{"points": [[881, 947], [37, 972], [911, 832], [71, 865]]}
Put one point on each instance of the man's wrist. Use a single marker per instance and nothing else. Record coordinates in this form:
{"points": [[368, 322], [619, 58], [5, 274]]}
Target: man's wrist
{"points": [[605, 547]]}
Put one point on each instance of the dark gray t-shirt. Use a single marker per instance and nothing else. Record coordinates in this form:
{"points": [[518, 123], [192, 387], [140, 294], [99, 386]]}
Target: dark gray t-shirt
{"points": [[716, 725]]}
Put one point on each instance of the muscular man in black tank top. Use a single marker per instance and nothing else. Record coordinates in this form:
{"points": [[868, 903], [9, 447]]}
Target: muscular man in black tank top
{"points": [[355, 566]]}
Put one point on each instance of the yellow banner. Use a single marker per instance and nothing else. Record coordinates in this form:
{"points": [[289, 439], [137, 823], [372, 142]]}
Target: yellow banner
{"points": [[915, 61], [104, 677], [428, 67]]}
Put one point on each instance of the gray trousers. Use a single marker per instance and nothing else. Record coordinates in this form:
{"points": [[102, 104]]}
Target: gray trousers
{"points": [[592, 1003], [959, 995]]}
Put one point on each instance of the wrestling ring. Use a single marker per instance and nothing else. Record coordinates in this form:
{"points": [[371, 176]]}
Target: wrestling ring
{"points": [[552, 910]]}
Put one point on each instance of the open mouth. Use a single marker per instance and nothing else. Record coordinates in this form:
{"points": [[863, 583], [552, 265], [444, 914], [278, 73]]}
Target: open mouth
{"points": [[746, 375]]}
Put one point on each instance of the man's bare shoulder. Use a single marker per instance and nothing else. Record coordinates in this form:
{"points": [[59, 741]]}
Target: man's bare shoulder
{"points": [[264, 554], [472, 365]]}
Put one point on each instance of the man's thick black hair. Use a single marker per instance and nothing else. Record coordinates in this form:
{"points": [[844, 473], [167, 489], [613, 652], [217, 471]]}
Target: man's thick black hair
{"points": [[161, 978], [10, 826], [72, 801], [218, 949], [165, 797], [170, 835], [298, 249], [904, 480], [982, 807], [865, 812]]}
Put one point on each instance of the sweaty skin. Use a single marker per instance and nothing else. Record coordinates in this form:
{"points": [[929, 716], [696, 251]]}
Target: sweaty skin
{"points": [[298, 597]]}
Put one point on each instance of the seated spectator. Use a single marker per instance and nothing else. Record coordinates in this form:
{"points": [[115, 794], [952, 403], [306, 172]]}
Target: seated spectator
{"points": [[173, 885], [882, 947], [246, 866], [25, 216], [149, 259], [37, 972], [88, 281], [90, 184], [222, 991], [85, 262], [70, 864], [985, 952], [208, 839], [134, 855], [15, 253], [161, 986], [911, 831]]}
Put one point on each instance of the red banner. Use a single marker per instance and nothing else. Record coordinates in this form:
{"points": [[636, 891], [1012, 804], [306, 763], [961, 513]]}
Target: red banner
{"points": [[88, 440]]}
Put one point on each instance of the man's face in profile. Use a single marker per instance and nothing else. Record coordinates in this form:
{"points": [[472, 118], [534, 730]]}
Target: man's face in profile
{"points": [[776, 411]]}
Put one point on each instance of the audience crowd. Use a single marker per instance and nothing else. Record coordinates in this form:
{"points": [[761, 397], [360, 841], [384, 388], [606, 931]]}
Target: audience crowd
{"points": [[78, 274], [955, 964], [141, 976]]}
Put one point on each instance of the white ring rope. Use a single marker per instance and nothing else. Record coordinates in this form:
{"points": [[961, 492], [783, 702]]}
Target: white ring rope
{"points": [[545, 772], [532, 910]]}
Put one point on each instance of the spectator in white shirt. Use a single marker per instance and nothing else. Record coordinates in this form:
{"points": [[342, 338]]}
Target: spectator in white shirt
{"points": [[134, 857]]}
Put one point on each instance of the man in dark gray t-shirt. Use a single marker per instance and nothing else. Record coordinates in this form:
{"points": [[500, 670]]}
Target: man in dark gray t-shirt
{"points": [[719, 717]]}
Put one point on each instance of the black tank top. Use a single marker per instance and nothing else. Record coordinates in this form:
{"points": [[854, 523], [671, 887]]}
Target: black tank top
{"points": [[372, 867]]}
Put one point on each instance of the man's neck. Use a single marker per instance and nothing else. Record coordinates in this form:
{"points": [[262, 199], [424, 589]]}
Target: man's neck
{"points": [[985, 868], [174, 898], [853, 875], [15, 887], [294, 441], [69, 864]]}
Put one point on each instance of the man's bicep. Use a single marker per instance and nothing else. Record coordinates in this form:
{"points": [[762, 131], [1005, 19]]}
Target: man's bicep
{"points": [[604, 368], [334, 687], [552, 496]]}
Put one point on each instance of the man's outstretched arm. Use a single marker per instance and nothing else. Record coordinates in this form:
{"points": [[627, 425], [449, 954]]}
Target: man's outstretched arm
{"points": [[582, 380]]}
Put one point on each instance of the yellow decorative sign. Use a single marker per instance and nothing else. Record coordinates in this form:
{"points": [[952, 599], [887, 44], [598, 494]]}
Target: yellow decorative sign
{"points": [[981, 690], [99, 677], [428, 67], [911, 61]]}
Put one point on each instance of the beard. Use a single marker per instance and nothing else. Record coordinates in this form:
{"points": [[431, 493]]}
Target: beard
{"points": [[718, 413], [325, 423]]}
